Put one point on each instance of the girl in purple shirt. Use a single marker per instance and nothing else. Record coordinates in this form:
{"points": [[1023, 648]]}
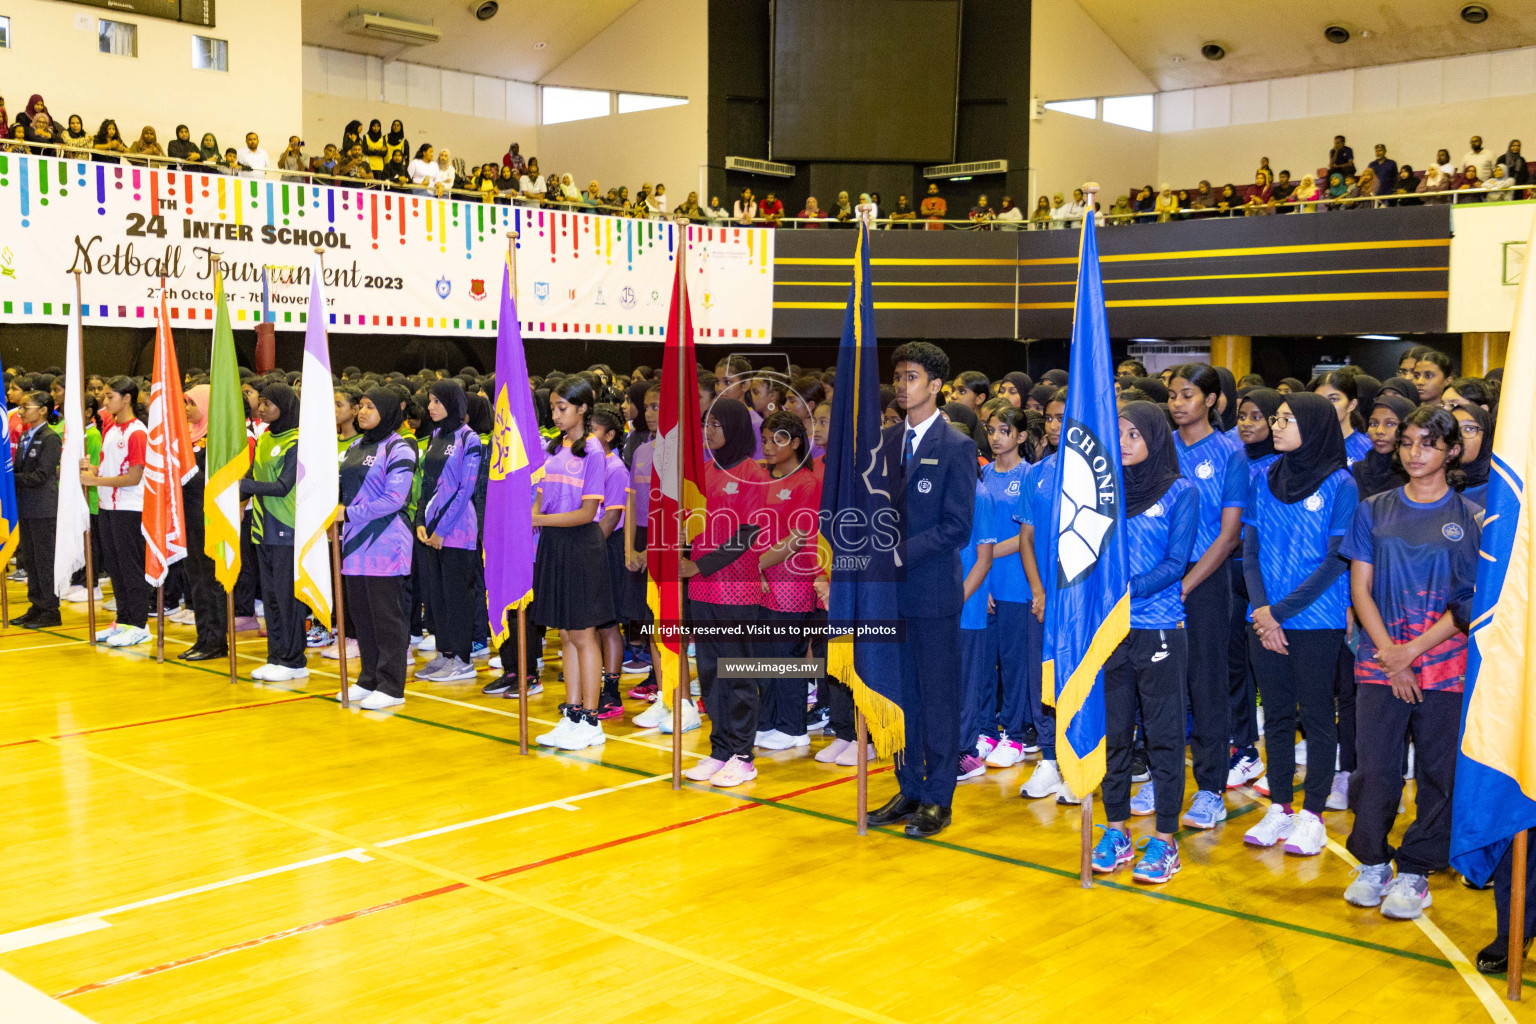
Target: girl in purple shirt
{"points": [[448, 529], [608, 431]]}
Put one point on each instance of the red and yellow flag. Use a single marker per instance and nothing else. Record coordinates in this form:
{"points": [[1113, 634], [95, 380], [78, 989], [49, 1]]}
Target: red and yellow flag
{"points": [[169, 461]]}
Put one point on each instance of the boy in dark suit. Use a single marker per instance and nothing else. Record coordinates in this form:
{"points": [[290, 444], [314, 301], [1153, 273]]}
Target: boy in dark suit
{"points": [[37, 500], [932, 471]]}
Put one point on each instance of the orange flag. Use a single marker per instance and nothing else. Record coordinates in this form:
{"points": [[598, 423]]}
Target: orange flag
{"points": [[168, 463]]}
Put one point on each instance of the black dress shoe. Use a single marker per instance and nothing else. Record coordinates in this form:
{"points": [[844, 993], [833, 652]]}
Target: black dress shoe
{"points": [[1494, 957], [25, 619], [204, 653], [895, 809], [929, 821], [45, 620]]}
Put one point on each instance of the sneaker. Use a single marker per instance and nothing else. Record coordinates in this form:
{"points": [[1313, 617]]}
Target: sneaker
{"points": [[318, 636], [652, 716], [479, 651], [428, 644], [415, 641], [691, 720], [246, 623], [1141, 771], [1244, 769], [777, 740], [270, 673], [817, 719], [733, 773], [984, 746], [129, 636], [635, 664], [609, 707], [333, 652], [1371, 880], [832, 751], [378, 700], [1159, 863], [1064, 795], [182, 617], [534, 689], [1044, 781], [1006, 754], [1308, 837], [1206, 810], [501, 684], [110, 606], [645, 691], [355, 693], [76, 594], [1277, 824], [1338, 796], [1409, 773], [19, 576], [110, 631], [565, 725], [1406, 898], [762, 734], [453, 671], [587, 732], [1301, 753], [849, 758], [1031, 740], [1112, 852], [1261, 786], [1144, 801], [432, 667], [494, 664], [704, 770], [971, 766]]}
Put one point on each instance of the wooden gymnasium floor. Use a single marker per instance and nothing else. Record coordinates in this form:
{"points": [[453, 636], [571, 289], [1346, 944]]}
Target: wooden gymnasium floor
{"points": [[178, 849]]}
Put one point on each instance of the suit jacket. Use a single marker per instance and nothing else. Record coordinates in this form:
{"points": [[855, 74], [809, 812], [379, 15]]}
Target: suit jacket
{"points": [[37, 475], [934, 500]]}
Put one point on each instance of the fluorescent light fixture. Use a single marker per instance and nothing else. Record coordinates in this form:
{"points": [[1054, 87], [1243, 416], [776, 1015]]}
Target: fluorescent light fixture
{"points": [[1378, 337], [964, 177]]}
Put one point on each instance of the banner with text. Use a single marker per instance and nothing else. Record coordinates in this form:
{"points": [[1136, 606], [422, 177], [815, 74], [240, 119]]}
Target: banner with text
{"points": [[394, 263]]}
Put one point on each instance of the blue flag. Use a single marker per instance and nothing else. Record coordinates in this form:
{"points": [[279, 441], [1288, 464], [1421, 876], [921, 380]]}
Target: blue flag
{"points": [[10, 518], [1495, 794], [855, 498], [1088, 605]]}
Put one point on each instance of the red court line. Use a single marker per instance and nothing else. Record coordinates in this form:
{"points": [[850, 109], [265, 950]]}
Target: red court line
{"points": [[96, 986], [157, 721]]}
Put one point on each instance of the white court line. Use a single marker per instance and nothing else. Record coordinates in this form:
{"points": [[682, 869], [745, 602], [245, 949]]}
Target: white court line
{"points": [[42, 933], [23, 1003], [40, 647]]}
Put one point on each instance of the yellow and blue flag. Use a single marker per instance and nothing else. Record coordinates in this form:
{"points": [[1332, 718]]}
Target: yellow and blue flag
{"points": [[855, 499], [1495, 794], [1088, 605], [10, 516]]}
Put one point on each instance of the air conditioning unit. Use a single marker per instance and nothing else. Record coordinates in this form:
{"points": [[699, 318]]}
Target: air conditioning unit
{"points": [[394, 30], [751, 166], [966, 170]]}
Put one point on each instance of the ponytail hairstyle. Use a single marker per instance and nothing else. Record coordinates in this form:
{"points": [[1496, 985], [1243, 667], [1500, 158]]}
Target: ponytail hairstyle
{"points": [[1034, 432], [1013, 415], [1439, 358], [1344, 383], [129, 389], [353, 396], [45, 401], [1442, 426], [1478, 391], [786, 422], [576, 391], [608, 417], [1207, 380], [92, 411]]}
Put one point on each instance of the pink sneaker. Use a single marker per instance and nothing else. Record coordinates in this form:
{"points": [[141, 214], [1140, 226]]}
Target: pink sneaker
{"points": [[971, 767], [704, 770], [645, 691], [829, 753], [733, 773], [984, 746]]}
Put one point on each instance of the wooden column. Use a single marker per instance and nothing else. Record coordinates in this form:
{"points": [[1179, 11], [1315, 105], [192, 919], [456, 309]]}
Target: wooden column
{"points": [[1234, 351], [1482, 352]]}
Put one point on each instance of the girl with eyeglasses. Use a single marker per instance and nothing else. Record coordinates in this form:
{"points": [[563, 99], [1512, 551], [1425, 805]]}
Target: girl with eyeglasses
{"points": [[1474, 425]]}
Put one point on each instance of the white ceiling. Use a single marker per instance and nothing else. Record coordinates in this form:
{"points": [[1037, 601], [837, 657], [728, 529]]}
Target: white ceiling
{"points": [[1277, 40], [502, 46]]}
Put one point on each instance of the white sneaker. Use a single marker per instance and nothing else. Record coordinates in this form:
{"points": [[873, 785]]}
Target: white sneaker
{"points": [[333, 652], [415, 641], [110, 606], [583, 734], [1308, 837], [1371, 880], [1338, 796], [355, 693], [849, 758], [270, 673], [452, 671], [1064, 795], [762, 734], [378, 700], [428, 644], [435, 665], [1301, 753], [1406, 898], [1006, 754], [777, 740], [1043, 781], [1411, 759], [102, 634], [562, 727], [704, 770], [496, 663], [654, 715], [1244, 771], [691, 720], [76, 594], [129, 636], [1276, 825], [829, 753]]}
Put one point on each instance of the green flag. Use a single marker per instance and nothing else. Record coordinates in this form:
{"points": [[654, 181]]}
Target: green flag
{"points": [[229, 454]]}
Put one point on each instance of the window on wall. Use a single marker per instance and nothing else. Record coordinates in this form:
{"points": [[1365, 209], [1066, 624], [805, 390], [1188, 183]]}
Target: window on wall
{"points": [[629, 102], [210, 54], [119, 38], [1077, 108], [1129, 111], [5, 33], [561, 104]]}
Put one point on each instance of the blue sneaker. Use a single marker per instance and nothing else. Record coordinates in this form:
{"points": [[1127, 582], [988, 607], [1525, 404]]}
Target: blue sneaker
{"points": [[1144, 802], [1206, 810], [479, 650], [1159, 863], [1113, 850]]}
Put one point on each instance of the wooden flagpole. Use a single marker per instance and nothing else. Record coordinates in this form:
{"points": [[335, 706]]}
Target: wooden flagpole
{"points": [[522, 608], [861, 737], [1517, 895], [338, 609], [90, 567], [684, 689], [160, 625], [1085, 868], [229, 595], [5, 596]]}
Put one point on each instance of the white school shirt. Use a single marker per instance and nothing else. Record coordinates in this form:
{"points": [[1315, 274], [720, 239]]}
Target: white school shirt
{"points": [[115, 442]]}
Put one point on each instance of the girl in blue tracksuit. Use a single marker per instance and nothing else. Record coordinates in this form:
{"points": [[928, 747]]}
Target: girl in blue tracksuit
{"points": [[448, 531]]}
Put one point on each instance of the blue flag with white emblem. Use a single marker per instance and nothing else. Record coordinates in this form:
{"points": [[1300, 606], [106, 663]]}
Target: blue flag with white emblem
{"points": [[1088, 609]]}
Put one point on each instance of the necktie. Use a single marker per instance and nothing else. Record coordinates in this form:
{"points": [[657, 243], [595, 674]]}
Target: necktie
{"points": [[906, 452]]}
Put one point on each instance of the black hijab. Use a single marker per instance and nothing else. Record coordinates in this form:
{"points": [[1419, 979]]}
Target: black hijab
{"points": [[1377, 472], [962, 415], [1041, 393], [1148, 480], [395, 138], [1056, 378], [450, 395], [1153, 388], [1268, 400], [282, 396], [375, 131], [1366, 390], [1297, 474], [1400, 387], [390, 414], [1021, 383], [1228, 388], [736, 424], [1295, 386], [1476, 471]]}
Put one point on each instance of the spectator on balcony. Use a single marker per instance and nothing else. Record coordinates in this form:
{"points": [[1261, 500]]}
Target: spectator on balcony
{"points": [[1120, 213], [1009, 216], [812, 211], [1260, 195], [1337, 188], [659, 198], [395, 171], [591, 199], [108, 141], [513, 158], [231, 162], [1306, 194], [1405, 186], [554, 193], [867, 210], [689, 207], [1359, 195], [1058, 210], [1501, 185], [1471, 182], [18, 144], [76, 138], [982, 214], [354, 164], [1144, 204], [571, 194], [1443, 161], [1341, 159], [903, 210], [399, 145], [1280, 191], [254, 158], [181, 147], [1228, 202], [531, 183], [1269, 175], [842, 211], [1167, 203], [771, 209], [1479, 158], [327, 162], [744, 211], [208, 152], [292, 158], [423, 167], [44, 133], [1040, 217], [1435, 180], [145, 145], [375, 148], [1077, 207], [34, 106], [1515, 163], [1385, 170], [718, 215], [933, 207], [484, 182], [1202, 198], [353, 132]]}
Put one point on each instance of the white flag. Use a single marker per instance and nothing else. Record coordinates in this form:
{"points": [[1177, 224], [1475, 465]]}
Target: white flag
{"points": [[74, 514], [317, 494]]}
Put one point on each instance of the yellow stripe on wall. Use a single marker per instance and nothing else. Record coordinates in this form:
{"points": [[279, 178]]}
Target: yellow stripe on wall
{"points": [[1246, 300], [1258, 250]]}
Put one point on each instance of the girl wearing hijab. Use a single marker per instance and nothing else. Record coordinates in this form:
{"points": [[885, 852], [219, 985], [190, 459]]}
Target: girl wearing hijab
{"points": [[75, 135], [375, 147], [447, 532], [1292, 529], [1290, 385], [1380, 470], [1337, 188], [118, 480], [571, 591], [1214, 463], [724, 586], [351, 135], [1147, 669], [1153, 388], [1341, 390], [376, 476], [1015, 387], [146, 144], [1226, 405], [181, 147], [208, 150], [1476, 426], [205, 596], [34, 106], [1413, 557], [271, 483]]}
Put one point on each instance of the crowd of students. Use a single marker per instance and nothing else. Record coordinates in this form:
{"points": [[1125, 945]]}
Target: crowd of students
{"points": [[1302, 557]]}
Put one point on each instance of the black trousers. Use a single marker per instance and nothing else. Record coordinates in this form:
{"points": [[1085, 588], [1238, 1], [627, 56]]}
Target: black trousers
{"points": [[783, 698], [36, 552], [731, 702], [383, 636], [1344, 695], [98, 563], [122, 544], [930, 702], [1240, 685], [285, 613], [1148, 667], [1208, 624], [248, 584], [449, 575], [1301, 679], [1376, 784], [1503, 883], [206, 597]]}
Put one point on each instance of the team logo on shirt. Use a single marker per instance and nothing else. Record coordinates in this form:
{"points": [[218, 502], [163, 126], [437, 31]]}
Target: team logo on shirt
{"points": [[1205, 470], [784, 494], [732, 487], [1453, 531], [924, 486], [1314, 503], [1012, 490], [1155, 511], [1090, 500]]}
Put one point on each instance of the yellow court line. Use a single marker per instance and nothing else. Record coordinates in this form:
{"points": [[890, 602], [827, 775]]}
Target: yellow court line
{"points": [[1243, 300], [1475, 981], [527, 902], [1243, 277], [1257, 250]]}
